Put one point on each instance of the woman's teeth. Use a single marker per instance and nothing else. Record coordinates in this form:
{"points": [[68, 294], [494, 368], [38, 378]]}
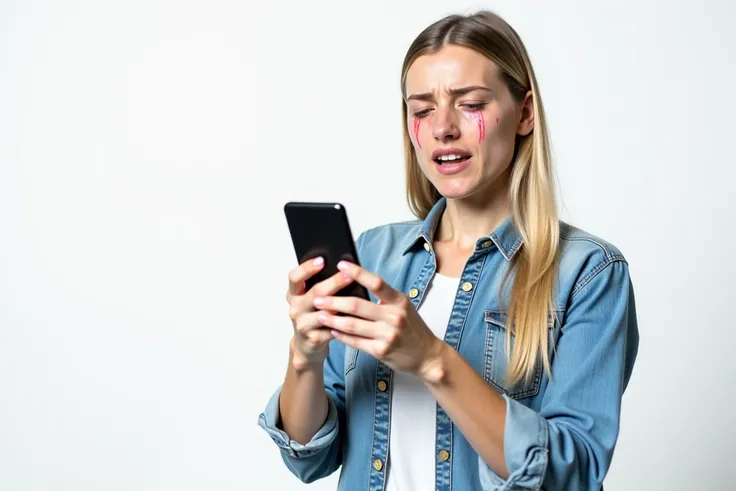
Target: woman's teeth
{"points": [[450, 158]]}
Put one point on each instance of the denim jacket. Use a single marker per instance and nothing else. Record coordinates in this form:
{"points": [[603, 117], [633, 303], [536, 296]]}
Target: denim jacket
{"points": [[559, 434]]}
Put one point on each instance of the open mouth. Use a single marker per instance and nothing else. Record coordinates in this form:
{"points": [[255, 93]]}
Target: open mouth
{"points": [[453, 158]]}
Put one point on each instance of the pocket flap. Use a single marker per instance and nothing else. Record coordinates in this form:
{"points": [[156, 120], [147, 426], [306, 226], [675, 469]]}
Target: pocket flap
{"points": [[499, 317]]}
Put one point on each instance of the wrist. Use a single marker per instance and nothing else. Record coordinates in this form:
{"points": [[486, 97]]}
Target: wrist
{"points": [[433, 369], [301, 362]]}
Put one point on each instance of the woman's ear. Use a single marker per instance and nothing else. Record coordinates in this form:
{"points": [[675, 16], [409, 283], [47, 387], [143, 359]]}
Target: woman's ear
{"points": [[526, 124]]}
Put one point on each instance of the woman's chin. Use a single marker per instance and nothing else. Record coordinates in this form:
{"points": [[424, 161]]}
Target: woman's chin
{"points": [[455, 189]]}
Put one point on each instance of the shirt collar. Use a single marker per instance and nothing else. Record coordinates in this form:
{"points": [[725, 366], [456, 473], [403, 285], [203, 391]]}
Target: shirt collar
{"points": [[506, 237]]}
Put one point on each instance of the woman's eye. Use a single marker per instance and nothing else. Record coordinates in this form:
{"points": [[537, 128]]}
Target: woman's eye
{"points": [[475, 106], [422, 113]]}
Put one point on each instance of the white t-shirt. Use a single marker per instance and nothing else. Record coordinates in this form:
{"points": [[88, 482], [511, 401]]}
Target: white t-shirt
{"points": [[411, 458]]}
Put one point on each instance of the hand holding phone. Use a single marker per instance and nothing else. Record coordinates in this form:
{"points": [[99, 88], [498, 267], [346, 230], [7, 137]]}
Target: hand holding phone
{"points": [[310, 344], [321, 236]]}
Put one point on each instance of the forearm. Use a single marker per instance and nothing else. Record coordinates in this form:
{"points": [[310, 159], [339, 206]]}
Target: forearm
{"points": [[303, 404], [474, 407]]}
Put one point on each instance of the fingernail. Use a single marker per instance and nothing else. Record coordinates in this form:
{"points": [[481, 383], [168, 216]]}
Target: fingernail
{"points": [[319, 302], [318, 261], [322, 317], [342, 266]]}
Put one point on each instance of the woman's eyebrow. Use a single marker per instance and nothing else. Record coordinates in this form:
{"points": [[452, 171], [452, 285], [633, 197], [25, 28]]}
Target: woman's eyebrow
{"points": [[427, 96]]}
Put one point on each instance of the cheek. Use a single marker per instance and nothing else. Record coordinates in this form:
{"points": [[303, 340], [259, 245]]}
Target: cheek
{"points": [[482, 124], [419, 125], [486, 126], [480, 121]]}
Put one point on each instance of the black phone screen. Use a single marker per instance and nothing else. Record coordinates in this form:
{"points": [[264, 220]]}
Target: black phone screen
{"points": [[322, 229]]}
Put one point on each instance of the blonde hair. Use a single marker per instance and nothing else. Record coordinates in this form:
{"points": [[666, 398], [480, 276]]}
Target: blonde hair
{"points": [[532, 198]]}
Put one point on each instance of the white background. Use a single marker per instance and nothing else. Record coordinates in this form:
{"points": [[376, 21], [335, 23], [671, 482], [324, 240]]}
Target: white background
{"points": [[147, 148]]}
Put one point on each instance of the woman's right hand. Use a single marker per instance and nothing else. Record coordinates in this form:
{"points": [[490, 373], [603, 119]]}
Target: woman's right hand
{"points": [[310, 343]]}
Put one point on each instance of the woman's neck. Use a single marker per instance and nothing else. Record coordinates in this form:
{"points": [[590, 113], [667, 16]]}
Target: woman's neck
{"points": [[465, 220]]}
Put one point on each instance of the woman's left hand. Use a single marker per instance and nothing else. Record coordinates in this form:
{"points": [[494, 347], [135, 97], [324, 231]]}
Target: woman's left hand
{"points": [[391, 331]]}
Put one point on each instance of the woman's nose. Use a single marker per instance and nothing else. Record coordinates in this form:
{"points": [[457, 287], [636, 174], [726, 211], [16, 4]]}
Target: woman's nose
{"points": [[445, 125]]}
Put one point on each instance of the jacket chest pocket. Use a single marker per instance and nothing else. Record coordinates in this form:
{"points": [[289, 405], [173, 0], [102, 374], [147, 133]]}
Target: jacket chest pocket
{"points": [[495, 360]]}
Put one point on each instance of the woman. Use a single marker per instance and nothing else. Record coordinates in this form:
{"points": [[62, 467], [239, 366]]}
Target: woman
{"points": [[499, 340]]}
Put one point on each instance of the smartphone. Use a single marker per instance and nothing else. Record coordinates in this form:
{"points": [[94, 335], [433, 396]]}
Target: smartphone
{"points": [[322, 229]]}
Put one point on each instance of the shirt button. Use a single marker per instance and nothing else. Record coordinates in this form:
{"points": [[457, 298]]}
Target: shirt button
{"points": [[413, 293], [444, 455], [467, 286], [486, 244], [382, 386], [378, 465], [426, 247]]}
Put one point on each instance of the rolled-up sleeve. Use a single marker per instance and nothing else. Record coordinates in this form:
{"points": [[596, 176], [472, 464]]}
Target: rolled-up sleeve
{"points": [[321, 456], [269, 420], [569, 443]]}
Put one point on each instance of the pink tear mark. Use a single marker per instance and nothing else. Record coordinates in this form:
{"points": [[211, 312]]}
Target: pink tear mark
{"points": [[417, 123], [478, 117]]}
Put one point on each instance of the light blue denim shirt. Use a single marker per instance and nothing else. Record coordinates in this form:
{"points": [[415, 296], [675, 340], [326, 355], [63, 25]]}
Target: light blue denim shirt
{"points": [[560, 433]]}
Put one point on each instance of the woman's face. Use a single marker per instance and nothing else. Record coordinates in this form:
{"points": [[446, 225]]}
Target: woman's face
{"points": [[463, 120]]}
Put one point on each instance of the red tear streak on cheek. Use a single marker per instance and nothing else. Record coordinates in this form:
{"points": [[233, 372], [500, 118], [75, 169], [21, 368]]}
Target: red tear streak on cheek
{"points": [[417, 123], [478, 117]]}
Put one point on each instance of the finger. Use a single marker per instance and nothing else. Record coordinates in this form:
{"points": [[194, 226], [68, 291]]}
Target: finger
{"points": [[354, 306], [305, 323], [359, 343], [320, 335], [302, 273], [305, 302], [352, 325], [330, 286], [372, 282]]}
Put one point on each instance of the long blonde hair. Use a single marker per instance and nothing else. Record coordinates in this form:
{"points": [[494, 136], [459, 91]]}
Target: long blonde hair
{"points": [[532, 198]]}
